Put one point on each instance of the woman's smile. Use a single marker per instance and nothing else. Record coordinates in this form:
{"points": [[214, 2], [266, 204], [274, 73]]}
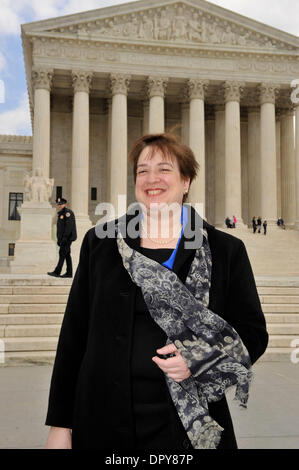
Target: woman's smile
{"points": [[158, 179]]}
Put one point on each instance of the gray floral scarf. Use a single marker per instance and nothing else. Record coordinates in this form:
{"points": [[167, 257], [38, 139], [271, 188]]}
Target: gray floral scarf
{"points": [[212, 349]]}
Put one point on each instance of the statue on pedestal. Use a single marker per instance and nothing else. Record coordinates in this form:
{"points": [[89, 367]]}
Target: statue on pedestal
{"points": [[37, 188]]}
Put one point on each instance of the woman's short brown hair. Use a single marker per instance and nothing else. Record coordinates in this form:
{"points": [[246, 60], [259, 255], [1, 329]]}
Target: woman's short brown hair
{"points": [[169, 145]]}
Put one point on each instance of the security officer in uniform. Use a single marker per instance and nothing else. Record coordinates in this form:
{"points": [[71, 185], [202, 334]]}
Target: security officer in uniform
{"points": [[66, 234]]}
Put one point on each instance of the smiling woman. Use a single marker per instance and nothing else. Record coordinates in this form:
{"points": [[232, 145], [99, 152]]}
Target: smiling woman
{"points": [[155, 331], [163, 172]]}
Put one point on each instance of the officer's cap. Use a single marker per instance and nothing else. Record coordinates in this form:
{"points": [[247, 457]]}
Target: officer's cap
{"points": [[60, 200]]}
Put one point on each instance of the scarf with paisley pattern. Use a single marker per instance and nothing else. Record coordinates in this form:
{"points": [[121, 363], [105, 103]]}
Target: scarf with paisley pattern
{"points": [[212, 349]]}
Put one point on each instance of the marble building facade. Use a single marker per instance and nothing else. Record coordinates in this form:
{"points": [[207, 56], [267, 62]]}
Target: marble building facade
{"points": [[99, 79]]}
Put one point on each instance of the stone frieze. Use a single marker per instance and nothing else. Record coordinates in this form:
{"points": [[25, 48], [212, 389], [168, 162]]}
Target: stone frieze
{"points": [[177, 23]]}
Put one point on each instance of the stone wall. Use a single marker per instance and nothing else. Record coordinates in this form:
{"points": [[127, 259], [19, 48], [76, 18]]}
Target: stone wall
{"points": [[15, 160]]}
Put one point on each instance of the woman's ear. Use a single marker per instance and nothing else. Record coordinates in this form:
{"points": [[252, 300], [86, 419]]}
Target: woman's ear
{"points": [[186, 185]]}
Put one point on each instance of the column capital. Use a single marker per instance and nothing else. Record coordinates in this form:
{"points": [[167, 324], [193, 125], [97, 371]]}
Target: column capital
{"points": [[156, 86], [268, 92], [81, 80], [119, 83], [233, 90], [196, 88], [42, 78]]}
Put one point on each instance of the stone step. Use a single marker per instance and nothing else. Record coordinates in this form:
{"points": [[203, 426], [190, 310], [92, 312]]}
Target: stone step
{"points": [[277, 282], [30, 344], [34, 290], [33, 299], [28, 319], [276, 355], [280, 308], [28, 358], [33, 331], [282, 318], [47, 357], [279, 299], [5, 290], [278, 291], [33, 280], [36, 308], [283, 329], [282, 341]]}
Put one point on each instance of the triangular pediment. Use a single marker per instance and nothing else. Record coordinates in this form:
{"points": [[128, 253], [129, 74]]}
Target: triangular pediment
{"points": [[194, 22]]}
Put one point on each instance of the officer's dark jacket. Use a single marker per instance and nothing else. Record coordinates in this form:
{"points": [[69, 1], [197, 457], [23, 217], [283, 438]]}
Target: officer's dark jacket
{"points": [[91, 384], [66, 226]]}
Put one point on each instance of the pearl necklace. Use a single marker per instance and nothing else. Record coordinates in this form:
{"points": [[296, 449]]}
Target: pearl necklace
{"points": [[163, 242]]}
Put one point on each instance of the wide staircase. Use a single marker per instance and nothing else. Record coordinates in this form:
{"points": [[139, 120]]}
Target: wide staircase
{"points": [[32, 306], [280, 304], [31, 312]]}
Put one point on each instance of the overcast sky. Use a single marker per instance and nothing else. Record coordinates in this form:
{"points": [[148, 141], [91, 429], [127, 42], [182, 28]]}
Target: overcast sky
{"points": [[14, 109]]}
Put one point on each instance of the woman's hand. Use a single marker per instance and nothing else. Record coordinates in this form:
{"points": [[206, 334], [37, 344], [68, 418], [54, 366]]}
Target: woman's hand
{"points": [[174, 367], [59, 438]]}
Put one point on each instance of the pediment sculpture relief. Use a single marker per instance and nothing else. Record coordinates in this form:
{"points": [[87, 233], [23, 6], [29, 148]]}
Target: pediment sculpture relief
{"points": [[179, 23]]}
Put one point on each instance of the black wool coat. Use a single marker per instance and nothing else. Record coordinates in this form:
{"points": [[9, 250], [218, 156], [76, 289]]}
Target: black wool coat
{"points": [[66, 231], [90, 388]]}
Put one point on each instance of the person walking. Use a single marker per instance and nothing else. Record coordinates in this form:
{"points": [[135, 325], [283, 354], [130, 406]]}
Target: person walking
{"points": [[66, 234], [254, 224], [234, 221], [259, 224], [265, 227]]}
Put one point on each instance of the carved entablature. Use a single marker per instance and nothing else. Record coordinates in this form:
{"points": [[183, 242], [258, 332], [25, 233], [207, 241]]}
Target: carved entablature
{"points": [[178, 23]]}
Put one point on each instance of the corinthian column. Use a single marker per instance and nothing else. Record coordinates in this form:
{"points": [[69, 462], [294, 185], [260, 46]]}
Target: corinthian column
{"points": [[219, 186], [42, 80], [268, 153], [297, 164], [196, 92], [254, 163], [80, 150], [35, 250], [233, 193], [156, 87], [119, 137], [288, 191]]}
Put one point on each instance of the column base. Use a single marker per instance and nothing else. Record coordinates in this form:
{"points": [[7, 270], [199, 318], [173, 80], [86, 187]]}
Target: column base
{"points": [[33, 257], [35, 250]]}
